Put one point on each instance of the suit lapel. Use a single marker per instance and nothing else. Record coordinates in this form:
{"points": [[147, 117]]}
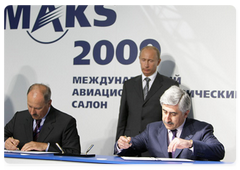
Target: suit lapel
{"points": [[28, 127], [163, 140], [187, 133], [138, 87], [48, 125], [188, 130], [155, 86]]}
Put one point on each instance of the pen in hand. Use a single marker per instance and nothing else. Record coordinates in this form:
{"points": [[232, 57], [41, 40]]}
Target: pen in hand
{"points": [[59, 147], [128, 140], [89, 149], [14, 142]]}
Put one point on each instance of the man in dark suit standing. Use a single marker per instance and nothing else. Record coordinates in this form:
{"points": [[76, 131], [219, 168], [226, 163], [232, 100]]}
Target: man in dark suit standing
{"points": [[175, 136], [41, 126], [140, 96]]}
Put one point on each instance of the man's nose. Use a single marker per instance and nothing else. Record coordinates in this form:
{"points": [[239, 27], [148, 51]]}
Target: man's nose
{"points": [[168, 117], [146, 64], [32, 111]]}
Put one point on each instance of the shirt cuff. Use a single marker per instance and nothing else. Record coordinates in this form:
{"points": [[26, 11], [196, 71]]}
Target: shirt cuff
{"points": [[118, 149], [47, 147]]}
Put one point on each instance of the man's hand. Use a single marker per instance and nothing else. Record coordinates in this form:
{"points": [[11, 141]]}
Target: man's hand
{"points": [[179, 143], [124, 142], [38, 146], [11, 143]]}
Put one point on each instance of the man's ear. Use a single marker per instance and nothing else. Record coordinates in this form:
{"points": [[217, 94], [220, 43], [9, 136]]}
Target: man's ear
{"points": [[186, 113]]}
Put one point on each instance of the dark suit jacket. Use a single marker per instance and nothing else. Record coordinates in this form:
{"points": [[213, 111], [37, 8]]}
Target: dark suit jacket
{"points": [[155, 140], [135, 113], [58, 128]]}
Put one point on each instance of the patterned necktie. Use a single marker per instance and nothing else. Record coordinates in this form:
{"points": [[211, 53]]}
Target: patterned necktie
{"points": [[174, 132], [146, 88], [36, 130]]}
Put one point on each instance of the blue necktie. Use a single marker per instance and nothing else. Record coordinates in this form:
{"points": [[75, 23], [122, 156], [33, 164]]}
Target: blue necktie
{"points": [[174, 132]]}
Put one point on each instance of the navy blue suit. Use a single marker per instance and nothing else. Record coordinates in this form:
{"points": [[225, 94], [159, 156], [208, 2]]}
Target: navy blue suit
{"points": [[155, 140]]}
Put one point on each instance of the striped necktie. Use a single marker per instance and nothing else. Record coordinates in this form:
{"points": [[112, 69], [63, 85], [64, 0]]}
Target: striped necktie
{"points": [[146, 88], [36, 130]]}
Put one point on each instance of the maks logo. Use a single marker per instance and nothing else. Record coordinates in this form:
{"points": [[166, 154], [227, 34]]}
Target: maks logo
{"points": [[50, 14]]}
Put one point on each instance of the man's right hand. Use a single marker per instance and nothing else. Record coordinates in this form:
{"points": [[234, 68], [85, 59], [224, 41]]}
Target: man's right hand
{"points": [[11, 144], [124, 142]]}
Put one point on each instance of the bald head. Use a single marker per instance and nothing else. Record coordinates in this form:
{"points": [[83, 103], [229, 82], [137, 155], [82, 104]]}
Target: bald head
{"points": [[38, 100], [41, 88]]}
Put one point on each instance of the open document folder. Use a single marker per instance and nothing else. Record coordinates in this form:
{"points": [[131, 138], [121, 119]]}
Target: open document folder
{"points": [[55, 153], [27, 152], [155, 159]]}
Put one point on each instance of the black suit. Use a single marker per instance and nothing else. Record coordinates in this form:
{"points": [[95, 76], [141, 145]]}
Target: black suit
{"points": [[135, 112], [58, 128]]}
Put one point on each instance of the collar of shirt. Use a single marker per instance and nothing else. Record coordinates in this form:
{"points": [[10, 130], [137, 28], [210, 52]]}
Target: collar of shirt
{"points": [[43, 120], [152, 77], [179, 132]]}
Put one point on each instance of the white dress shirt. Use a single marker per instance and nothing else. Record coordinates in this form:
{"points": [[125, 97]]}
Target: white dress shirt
{"points": [[178, 134], [152, 77]]}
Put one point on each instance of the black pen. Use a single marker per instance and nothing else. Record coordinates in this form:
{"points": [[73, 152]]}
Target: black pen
{"points": [[89, 149]]}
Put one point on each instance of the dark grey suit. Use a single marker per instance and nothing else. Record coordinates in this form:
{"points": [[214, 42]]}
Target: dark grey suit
{"points": [[58, 128], [135, 112]]}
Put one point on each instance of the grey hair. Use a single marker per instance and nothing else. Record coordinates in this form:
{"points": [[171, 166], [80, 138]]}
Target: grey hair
{"points": [[176, 96]]}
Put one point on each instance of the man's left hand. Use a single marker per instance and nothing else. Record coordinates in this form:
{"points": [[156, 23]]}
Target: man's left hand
{"points": [[38, 146], [178, 143]]}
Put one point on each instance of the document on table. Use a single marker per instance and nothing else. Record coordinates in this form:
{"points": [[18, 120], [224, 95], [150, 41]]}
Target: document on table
{"points": [[155, 159], [27, 152]]}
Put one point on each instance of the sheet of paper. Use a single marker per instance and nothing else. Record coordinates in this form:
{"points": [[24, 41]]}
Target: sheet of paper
{"points": [[138, 158], [174, 159], [27, 152], [155, 159]]}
